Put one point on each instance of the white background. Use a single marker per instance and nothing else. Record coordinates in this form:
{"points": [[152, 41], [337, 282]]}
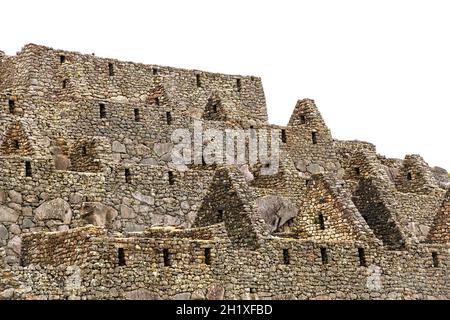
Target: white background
{"points": [[378, 70]]}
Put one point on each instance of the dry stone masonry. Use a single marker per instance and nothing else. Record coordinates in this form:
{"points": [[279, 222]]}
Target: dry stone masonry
{"points": [[91, 206]]}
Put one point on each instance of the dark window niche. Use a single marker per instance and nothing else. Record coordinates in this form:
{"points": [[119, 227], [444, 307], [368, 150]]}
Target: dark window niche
{"points": [[62, 58], [168, 118], [28, 170], [220, 215], [409, 176], [166, 258], [208, 256], [286, 256], [121, 256], [283, 135], [324, 255], [362, 257], [16, 144], [238, 85], [302, 119], [155, 71], [12, 106], [111, 69], [435, 257], [171, 178], [307, 181], [83, 150], [127, 175], [198, 80], [64, 84], [321, 221], [102, 111], [314, 137], [357, 171], [137, 116]]}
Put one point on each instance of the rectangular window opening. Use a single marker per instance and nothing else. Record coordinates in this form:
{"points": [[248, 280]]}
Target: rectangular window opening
{"points": [[83, 150], [28, 171], [171, 178], [166, 258], [324, 255], [64, 84], [302, 119], [121, 256], [238, 85], [111, 69], [208, 256], [220, 215], [16, 144], [168, 118], [321, 221], [314, 137], [283, 135], [12, 106], [409, 176], [362, 257], [198, 80], [435, 259], [137, 116], [155, 71], [286, 257], [62, 58], [357, 171], [127, 175], [102, 111]]}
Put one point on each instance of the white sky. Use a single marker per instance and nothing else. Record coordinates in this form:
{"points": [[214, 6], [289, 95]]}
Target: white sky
{"points": [[378, 70]]}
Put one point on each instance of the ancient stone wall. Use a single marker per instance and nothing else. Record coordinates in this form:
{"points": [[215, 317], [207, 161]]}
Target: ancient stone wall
{"points": [[309, 140], [398, 209], [92, 207], [155, 268]]}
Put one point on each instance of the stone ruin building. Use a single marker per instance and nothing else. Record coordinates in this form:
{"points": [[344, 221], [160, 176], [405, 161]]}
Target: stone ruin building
{"points": [[91, 206]]}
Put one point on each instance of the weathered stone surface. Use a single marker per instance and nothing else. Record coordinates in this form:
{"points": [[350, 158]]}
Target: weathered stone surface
{"points": [[98, 214], [15, 245], [332, 220], [75, 198], [215, 292], [315, 168], [149, 162], [143, 198], [27, 223], [118, 147], [276, 211], [126, 212], [8, 214], [62, 162], [15, 196], [182, 296], [7, 294], [3, 197], [141, 294], [198, 295], [56, 209], [3, 232], [162, 148], [15, 229]]}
